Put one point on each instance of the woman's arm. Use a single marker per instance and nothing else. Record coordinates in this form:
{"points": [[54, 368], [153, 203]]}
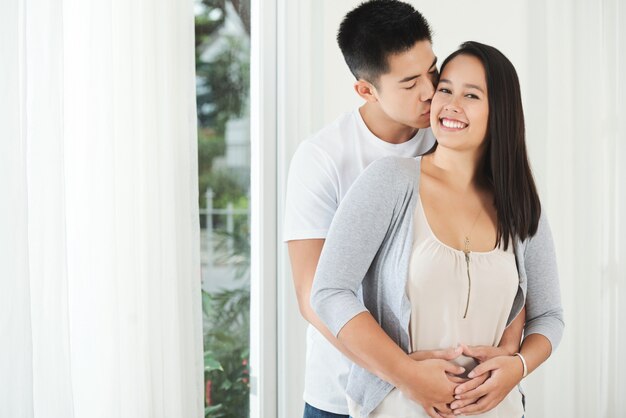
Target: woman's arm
{"points": [[425, 382], [544, 313], [361, 226]]}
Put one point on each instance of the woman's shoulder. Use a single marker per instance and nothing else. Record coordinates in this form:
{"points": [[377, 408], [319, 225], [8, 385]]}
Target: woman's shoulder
{"points": [[385, 179], [394, 166], [542, 237]]}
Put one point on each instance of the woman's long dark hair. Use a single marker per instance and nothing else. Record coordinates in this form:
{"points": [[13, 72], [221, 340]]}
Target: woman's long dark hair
{"points": [[505, 162]]}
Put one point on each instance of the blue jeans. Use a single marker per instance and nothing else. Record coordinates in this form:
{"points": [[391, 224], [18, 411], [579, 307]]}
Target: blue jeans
{"points": [[313, 412]]}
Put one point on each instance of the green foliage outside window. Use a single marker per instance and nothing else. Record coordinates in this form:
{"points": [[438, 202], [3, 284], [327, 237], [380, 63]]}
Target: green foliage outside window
{"points": [[222, 80], [226, 319], [223, 86], [226, 355]]}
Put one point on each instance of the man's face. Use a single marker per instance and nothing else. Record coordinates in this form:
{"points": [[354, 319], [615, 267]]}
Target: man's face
{"points": [[405, 91]]}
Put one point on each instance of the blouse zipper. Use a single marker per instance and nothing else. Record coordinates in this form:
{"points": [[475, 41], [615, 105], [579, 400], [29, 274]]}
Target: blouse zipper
{"points": [[469, 281]]}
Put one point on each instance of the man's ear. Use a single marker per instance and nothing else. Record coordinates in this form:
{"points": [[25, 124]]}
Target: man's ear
{"points": [[366, 90]]}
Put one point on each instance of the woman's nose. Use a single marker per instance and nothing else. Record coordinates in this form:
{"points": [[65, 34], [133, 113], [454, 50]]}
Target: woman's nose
{"points": [[451, 106]]}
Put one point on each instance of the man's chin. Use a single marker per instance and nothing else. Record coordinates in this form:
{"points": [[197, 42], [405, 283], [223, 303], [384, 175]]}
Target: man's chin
{"points": [[420, 125]]}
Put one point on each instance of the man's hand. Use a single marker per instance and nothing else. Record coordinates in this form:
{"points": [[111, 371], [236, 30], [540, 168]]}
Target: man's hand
{"points": [[504, 372], [447, 354], [483, 353], [427, 383]]}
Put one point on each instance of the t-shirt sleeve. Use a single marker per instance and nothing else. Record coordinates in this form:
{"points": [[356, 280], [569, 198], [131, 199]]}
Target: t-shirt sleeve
{"points": [[312, 194]]}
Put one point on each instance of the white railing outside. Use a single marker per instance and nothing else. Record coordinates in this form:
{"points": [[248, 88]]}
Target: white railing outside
{"points": [[215, 273]]}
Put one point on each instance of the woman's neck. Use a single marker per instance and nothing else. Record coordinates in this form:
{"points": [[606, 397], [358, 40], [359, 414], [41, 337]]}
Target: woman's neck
{"points": [[462, 169]]}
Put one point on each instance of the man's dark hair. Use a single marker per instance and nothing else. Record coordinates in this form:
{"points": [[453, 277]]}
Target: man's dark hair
{"points": [[505, 162], [376, 29]]}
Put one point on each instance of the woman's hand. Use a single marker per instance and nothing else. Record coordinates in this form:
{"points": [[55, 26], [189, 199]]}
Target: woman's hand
{"points": [[468, 385], [426, 382], [449, 354], [480, 353], [504, 372]]}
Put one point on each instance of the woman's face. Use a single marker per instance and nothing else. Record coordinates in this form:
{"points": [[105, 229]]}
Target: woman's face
{"points": [[460, 108]]}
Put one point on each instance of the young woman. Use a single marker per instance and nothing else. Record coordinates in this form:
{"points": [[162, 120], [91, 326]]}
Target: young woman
{"points": [[445, 250]]}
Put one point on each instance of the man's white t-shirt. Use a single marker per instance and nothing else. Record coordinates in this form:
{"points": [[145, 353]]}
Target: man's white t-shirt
{"points": [[321, 172]]}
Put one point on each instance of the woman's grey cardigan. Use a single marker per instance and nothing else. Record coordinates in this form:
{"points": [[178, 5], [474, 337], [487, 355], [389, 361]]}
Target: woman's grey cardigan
{"points": [[365, 261]]}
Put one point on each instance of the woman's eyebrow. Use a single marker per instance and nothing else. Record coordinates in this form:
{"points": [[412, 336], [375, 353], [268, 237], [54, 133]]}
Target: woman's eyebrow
{"points": [[468, 85]]}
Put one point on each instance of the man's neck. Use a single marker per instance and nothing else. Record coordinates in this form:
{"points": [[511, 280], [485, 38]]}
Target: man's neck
{"points": [[383, 126]]}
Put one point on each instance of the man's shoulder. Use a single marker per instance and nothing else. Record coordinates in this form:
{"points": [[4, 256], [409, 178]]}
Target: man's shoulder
{"points": [[334, 135], [329, 147]]}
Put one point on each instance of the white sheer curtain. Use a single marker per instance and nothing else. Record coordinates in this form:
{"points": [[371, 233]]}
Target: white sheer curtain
{"points": [[100, 310], [575, 115]]}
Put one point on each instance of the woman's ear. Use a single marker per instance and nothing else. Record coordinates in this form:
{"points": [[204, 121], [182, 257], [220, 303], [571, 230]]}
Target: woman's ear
{"points": [[366, 90]]}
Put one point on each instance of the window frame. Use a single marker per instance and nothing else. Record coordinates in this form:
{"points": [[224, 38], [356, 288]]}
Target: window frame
{"points": [[263, 182]]}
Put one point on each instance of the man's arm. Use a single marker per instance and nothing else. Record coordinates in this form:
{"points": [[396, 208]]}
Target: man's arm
{"points": [[304, 255], [509, 343], [512, 336]]}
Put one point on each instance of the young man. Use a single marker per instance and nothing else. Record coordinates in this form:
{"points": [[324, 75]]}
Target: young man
{"points": [[387, 45]]}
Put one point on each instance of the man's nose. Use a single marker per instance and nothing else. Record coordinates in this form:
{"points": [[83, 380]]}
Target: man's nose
{"points": [[427, 90]]}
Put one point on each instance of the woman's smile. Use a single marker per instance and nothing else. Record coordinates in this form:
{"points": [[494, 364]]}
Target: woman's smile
{"points": [[452, 125]]}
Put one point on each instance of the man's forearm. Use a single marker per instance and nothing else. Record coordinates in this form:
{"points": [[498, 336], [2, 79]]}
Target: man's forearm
{"points": [[512, 336], [378, 353], [311, 317], [304, 256]]}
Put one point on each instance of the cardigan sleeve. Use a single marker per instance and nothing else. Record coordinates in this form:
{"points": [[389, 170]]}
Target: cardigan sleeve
{"points": [[356, 234], [544, 314]]}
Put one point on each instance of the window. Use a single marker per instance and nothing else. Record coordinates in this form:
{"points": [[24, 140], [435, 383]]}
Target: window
{"points": [[223, 99]]}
